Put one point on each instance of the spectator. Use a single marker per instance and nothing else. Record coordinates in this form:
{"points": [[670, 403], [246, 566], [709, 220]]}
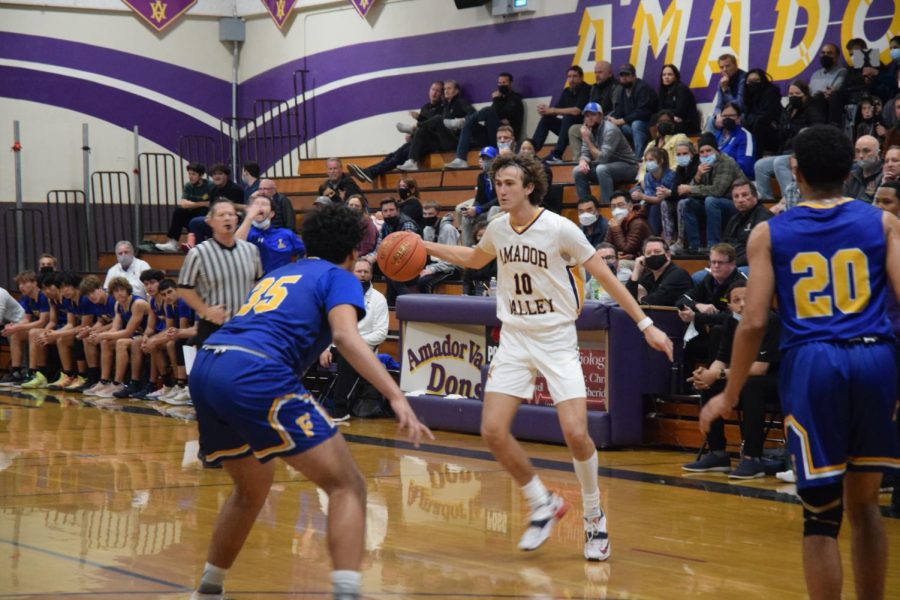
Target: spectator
{"points": [[868, 120], [628, 227], [656, 279], [223, 187], [439, 133], [250, 179], [11, 312], [731, 89], [650, 192], [861, 79], [484, 205], [750, 213], [506, 141], [887, 198], [218, 275], [761, 388], [410, 205], [339, 185], [553, 199], [678, 98], [706, 303], [367, 245], [604, 87], [866, 174], [506, 105], [662, 127], [891, 169], [634, 102], [277, 246], [593, 224], [389, 162], [735, 141], [194, 202], [441, 230], [281, 204], [707, 192], [830, 77], [562, 115], [430, 109], [605, 155], [799, 113], [477, 281], [127, 266], [889, 78], [37, 314], [608, 253], [892, 137], [687, 161], [373, 329], [762, 109], [47, 263], [394, 221]]}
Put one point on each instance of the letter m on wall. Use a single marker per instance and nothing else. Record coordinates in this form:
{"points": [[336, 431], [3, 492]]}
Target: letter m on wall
{"points": [[655, 30]]}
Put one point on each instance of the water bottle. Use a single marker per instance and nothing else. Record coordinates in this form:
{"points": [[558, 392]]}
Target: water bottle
{"points": [[492, 287], [595, 289]]}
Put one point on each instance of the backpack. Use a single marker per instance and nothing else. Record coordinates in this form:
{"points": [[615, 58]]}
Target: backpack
{"points": [[367, 403]]}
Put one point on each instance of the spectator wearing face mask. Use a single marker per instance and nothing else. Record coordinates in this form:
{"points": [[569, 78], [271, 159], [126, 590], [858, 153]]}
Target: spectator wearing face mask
{"points": [[410, 205], [593, 224], [628, 227], [830, 77], [277, 246], [866, 173], [734, 140], [656, 279], [127, 266]]}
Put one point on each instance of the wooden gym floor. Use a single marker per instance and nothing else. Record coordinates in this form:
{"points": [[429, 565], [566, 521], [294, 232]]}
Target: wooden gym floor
{"points": [[109, 502]]}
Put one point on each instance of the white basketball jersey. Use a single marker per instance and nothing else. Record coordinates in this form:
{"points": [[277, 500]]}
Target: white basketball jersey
{"points": [[540, 282]]}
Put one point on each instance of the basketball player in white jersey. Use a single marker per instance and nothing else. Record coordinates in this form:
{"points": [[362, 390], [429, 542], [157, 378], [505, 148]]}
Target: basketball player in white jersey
{"points": [[539, 295]]}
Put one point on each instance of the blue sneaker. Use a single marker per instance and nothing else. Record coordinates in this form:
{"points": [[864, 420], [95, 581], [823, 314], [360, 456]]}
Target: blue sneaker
{"points": [[748, 468], [710, 463]]}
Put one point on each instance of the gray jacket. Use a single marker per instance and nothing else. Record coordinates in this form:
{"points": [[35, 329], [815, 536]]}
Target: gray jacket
{"points": [[612, 145], [446, 234]]}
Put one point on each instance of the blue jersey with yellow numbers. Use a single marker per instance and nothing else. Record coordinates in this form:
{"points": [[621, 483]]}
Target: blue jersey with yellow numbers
{"points": [[830, 272], [285, 316]]}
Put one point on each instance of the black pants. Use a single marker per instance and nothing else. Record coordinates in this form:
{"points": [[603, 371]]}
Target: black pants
{"points": [[431, 136], [758, 390], [181, 217], [344, 382], [389, 162]]}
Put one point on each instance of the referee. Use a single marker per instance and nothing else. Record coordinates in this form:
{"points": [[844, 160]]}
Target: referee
{"points": [[218, 274]]}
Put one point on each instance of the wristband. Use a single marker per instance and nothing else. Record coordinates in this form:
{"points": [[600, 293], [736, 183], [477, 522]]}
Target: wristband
{"points": [[644, 324]]}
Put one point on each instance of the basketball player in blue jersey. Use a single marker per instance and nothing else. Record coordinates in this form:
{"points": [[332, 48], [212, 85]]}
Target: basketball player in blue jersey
{"points": [[832, 261], [251, 406], [540, 256]]}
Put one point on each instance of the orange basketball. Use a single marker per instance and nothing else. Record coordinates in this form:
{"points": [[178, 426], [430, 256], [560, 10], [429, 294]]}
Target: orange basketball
{"points": [[402, 256]]}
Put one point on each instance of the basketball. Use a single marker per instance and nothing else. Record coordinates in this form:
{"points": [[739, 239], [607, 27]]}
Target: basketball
{"points": [[402, 256]]}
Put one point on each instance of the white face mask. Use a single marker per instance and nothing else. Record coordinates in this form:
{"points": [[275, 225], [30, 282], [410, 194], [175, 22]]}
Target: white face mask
{"points": [[262, 224], [619, 213], [737, 316], [125, 261], [587, 219]]}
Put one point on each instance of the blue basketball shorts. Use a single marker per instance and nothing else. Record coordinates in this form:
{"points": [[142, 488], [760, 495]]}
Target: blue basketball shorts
{"points": [[840, 404], [247, 404]]}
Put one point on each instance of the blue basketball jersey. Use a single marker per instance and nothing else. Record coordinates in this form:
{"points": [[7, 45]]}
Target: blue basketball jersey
{"points": [[62, 306], [830, 273], [35, 307], [179, 310], [276, 246], [105, 312], [158, 307], [285, 316], [126, 311]]}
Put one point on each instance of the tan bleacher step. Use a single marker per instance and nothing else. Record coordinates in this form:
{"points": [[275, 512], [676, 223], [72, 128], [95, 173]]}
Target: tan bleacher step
{"points": [[445, 197], [458, 177], [317, 166], [157, 260], [291, 185]]}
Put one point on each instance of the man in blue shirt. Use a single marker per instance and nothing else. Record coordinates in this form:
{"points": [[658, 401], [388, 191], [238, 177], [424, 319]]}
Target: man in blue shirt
{"points": [[251, 407], [277, 245]]}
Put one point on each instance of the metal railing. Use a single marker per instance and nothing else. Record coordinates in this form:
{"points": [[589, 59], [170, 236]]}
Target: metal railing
{"points": [[278, 138], [158, 177], [112, 210], [25, 227], [67, 224]]}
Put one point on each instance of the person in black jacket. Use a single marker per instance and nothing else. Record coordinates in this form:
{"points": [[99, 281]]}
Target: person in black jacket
{"points": [[656, 279], [562, 115], [439, 132], [477, 281], [506, 105], [762, 109], [677, 97], [750, 214], [633, 105]]}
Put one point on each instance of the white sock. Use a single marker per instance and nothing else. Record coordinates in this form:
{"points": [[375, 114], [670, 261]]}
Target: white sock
{"points": [[213, 579], [535, 492], [345, 582], [586, 472]]}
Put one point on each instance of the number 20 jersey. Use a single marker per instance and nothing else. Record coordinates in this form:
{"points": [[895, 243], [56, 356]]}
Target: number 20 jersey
{"points": [[540, 281], [830, 272]]}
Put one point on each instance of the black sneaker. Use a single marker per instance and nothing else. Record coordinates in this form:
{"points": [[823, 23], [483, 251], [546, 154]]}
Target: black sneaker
{"points": [[131, 388], [10, 379], [709, 463], [141, 394], [748, 468], [359, 173]]}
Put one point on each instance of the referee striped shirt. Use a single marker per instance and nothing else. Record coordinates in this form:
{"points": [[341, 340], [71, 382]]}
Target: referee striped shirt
{"points": [[221, 275]]}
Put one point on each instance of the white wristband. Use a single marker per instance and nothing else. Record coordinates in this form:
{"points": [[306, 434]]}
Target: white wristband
{"points": [[644, 324]]}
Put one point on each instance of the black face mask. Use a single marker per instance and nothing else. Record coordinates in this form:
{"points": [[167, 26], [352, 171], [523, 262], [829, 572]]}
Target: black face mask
{"points": [[826, 61], [665, 128], [366, 285], [655, 262], [752, 88], [392, 221], [430, 221], [627, 86], [503, 89], [612, 266], [795, 102], [729, 124], [403, 193], [46, 269]]}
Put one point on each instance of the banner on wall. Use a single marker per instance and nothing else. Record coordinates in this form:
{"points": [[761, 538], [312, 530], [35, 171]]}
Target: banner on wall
{"points": [[159, 14], [362, 6], [443, 360], [279, 9]]}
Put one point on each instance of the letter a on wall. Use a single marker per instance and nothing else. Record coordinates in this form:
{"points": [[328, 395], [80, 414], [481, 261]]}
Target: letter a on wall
{"points": [[159, 14], [279, 9]]}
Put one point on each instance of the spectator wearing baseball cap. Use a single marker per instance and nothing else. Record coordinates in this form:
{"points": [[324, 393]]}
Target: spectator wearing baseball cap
{"points": [[634, 102], [562, 115], [605, 157], [484, 205]]}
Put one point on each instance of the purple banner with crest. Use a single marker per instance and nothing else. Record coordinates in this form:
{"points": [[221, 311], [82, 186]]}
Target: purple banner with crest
{"points": [[159, 14], [279, 9], [362, 6]]}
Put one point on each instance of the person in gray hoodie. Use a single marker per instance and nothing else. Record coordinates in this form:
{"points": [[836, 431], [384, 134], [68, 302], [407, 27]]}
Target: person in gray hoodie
{"points": [[441, 230], [606, 157]]}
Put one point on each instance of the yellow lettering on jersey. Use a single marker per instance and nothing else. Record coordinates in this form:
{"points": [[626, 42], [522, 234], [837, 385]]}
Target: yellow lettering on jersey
{"points": [[853, 26], [848, 274], [305, 423], [539, 306], [268, 294], [787, 61], [729, 18], [655, 29]]}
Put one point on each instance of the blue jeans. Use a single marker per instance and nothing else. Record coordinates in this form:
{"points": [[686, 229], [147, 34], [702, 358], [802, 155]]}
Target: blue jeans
{"points": [[486, 133], [718, 211], [200, 229], [637, 132], [780, 167], [606, 175]]}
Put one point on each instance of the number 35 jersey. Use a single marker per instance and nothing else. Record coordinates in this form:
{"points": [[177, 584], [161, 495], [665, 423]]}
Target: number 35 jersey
{"points": [[830, 272], [540, 282], [286, 315]]}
